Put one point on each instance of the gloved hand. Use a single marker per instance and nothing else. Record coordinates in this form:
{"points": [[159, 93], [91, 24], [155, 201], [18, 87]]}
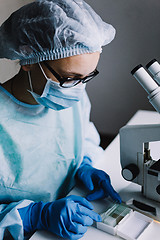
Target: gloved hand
{"points": [[67, 217], [97, 181]]}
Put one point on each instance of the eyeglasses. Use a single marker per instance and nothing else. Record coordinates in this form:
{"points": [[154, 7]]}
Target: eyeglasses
{"points": [[68, 82]]}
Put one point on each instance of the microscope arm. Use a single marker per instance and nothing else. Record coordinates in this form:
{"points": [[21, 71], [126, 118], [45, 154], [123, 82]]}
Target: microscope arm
{"points": [[132, 139]]}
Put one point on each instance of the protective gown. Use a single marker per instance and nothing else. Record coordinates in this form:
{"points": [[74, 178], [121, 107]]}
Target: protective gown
{"points": [[40, 152]]}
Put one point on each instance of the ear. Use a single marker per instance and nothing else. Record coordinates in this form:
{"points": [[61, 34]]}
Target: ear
{"points": [[26, 68]]}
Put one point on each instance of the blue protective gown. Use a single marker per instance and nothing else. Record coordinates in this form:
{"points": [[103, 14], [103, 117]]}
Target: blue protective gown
{"points": [[40, 152]]}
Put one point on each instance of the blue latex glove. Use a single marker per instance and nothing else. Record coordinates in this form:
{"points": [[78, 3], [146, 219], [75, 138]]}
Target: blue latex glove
{"points": [[97, 181], [67, 217]]}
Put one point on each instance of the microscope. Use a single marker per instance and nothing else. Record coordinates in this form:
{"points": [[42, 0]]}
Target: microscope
{"points": [[136, 160], [138, 216]]}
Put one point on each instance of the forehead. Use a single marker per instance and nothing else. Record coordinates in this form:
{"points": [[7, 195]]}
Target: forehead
{"points": [[83, 64]]}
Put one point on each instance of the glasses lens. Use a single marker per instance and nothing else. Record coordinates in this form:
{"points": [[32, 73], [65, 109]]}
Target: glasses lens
{"points": [[68, 84], [87, 79], [71, 83]]}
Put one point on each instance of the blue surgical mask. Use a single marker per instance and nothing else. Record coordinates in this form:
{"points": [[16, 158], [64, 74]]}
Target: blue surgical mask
{"points": [[56, 97]]}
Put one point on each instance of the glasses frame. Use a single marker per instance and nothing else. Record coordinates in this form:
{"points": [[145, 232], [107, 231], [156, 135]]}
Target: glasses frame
{"points": [[62, 80]]}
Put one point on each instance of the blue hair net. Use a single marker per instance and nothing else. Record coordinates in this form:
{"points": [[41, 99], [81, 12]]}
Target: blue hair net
{"points": [[53, 29]]}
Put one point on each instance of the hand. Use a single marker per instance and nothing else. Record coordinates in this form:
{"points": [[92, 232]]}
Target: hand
{"points": [[67, 217], [97, 180]]}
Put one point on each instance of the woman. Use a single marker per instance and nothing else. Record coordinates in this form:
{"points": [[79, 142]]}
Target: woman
{"points": [[46, 138]]}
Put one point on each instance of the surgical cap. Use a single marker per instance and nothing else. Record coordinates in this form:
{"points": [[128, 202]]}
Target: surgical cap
{"points": [[53, 29]]}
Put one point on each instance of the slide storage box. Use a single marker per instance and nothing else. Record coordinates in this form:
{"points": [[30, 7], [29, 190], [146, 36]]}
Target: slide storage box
{"points": [[124, 222]]}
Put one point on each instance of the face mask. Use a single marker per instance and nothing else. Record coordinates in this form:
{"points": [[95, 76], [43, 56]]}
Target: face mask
{"points": [[56, 97]]}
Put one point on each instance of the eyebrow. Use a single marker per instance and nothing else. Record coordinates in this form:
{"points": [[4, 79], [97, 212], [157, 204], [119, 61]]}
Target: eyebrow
{"points": [[71, 73], [74, 74]]}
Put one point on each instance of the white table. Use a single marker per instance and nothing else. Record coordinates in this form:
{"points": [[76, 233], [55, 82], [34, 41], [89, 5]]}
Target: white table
{"points": [[111, 164]]}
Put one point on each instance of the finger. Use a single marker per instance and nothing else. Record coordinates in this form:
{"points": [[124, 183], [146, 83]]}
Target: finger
{"points": [[77, 228], [85, 211], [107, 187], [98, 194], [82, 219], [89, 184], [81, 201], [66, 233], [87, 181]]}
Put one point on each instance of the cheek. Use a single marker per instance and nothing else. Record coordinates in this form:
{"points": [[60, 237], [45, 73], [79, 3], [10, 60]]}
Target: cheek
{"points": [[50, 75], [54, 80]]}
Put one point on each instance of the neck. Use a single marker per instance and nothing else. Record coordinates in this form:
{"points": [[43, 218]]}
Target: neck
{"points": [[18, 86]]}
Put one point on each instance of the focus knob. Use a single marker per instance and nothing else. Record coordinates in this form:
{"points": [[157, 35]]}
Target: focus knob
{"points": [[130, 172], [158, 189]]}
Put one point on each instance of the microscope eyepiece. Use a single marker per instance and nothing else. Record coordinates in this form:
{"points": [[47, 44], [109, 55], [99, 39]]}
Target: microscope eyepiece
{"points": [[151, 85], [150, 63], [144, 78], [154, 68], [136, 68]]}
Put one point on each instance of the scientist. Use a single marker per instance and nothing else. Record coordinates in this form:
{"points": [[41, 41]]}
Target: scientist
{"points": [[46, 139]]}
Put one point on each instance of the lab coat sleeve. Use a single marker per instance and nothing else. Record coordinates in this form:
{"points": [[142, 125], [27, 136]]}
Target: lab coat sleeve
{"points": [[92, 150], [10, 219]]}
